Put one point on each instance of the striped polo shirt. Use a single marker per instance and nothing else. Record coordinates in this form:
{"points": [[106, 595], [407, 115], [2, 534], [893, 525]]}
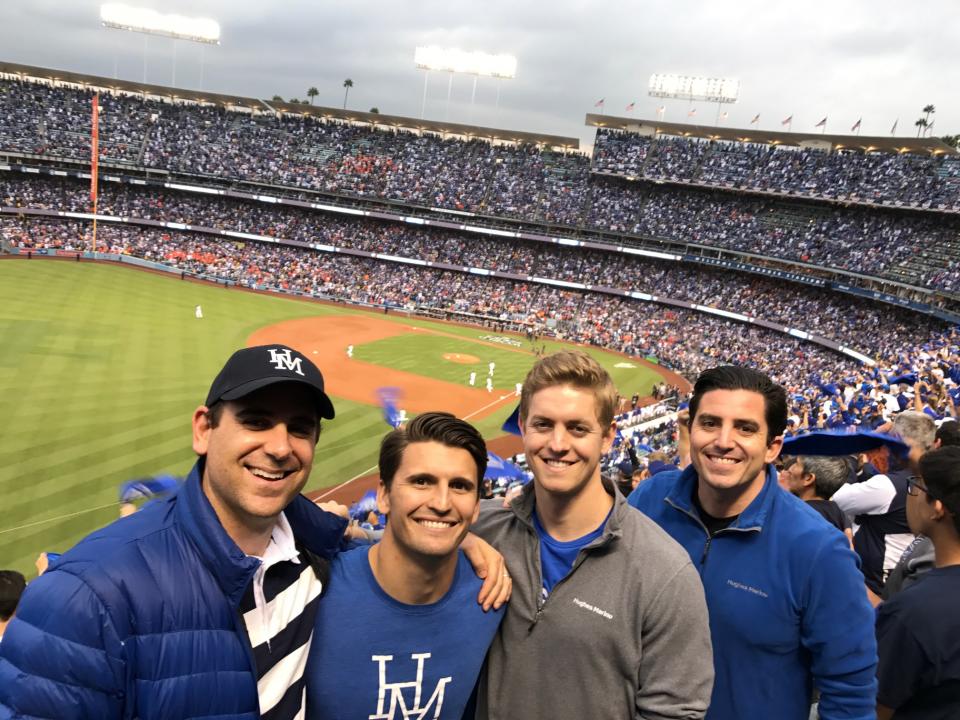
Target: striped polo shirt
{"points": [[279, 609]]}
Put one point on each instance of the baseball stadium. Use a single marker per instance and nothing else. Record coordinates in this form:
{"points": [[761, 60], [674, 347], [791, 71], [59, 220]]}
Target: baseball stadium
{"points": [[149, 231]]}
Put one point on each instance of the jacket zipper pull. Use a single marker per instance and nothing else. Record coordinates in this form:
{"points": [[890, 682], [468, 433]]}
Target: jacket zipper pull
{"points": [[706, 549]]}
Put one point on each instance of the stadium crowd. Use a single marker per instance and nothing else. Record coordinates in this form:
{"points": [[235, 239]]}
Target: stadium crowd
{"points": [[866, 326], [930, 182], [535, 185]]}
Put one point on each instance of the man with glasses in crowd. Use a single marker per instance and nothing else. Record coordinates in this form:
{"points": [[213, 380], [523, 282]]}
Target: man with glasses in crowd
{"points": [[918, 631]]}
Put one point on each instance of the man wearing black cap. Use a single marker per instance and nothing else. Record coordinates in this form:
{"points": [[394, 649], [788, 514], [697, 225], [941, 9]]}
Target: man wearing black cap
{"points": [[202, 604]]}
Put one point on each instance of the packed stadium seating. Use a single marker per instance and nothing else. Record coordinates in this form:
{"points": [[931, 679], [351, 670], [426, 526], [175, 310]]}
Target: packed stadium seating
{"points": [[567, 191]]}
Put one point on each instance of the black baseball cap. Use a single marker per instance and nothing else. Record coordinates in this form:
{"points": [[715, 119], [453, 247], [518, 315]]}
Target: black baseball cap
{"points": [[256, 367]]}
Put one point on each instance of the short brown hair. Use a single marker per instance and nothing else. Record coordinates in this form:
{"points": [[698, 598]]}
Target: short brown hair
{"points": [[576, 368], [441, 427]]}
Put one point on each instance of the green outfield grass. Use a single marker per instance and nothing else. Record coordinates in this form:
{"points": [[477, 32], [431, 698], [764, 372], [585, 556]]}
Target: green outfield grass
{"points": [[102, 366]]}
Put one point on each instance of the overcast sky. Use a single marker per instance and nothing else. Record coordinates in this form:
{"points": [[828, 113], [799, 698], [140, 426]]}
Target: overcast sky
{"points": [[843, 59]]}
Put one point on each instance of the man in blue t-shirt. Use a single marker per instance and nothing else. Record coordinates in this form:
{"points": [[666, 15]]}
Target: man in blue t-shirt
{"points": [[401, 634], [918, 631]]}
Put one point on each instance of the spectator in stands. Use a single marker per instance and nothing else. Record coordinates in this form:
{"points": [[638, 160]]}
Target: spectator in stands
{"points": [[918, 558], [878, 505], [787, 608], [918, 631], [814, 480], [162, 607], [595, 583], [12, 585], [404, 608]]}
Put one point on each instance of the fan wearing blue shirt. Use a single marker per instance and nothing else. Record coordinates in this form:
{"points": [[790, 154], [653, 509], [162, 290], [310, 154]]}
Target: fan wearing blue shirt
{"points": [[788, 610], [402, 634]]}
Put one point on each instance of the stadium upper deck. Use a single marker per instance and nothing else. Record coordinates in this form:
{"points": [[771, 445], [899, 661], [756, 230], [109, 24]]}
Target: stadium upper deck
{"points": [[797, 210]]}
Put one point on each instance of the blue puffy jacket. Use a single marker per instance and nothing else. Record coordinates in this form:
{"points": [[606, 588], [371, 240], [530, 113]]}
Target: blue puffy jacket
{"points": [[788, 606], [140, 619]]}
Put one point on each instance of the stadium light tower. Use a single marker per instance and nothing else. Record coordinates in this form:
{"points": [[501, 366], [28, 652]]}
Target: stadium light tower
{"points": [[454, 60], [150, 22], [690, 87]]}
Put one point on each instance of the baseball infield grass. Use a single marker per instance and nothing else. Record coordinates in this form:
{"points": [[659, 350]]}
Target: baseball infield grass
{"points": [[102, 366]]}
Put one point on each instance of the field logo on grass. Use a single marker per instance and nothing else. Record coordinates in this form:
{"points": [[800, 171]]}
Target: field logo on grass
{"points": [[282, 360], [392, 693], [624, 365], [513, 342]]}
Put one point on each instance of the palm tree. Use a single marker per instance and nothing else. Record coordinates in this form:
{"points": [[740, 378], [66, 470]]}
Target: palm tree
{"points": [[921, 124], [928, 110], [347, 84], [312, 93]]}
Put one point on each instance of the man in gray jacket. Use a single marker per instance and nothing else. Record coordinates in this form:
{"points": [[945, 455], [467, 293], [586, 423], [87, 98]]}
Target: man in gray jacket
{"points": [[607, 619]]}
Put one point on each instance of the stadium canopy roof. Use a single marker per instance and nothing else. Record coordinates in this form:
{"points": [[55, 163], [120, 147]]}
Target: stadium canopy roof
{"points": [[926, 146], [394, 121]]}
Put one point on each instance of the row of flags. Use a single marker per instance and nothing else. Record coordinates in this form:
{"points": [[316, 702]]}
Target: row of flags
{"points": [[786, 122]]}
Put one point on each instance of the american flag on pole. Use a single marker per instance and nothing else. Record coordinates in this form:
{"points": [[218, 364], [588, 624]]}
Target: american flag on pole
{"points": [[756, 119], [856, 126], [787, 121], [629, 107], [692, 112], [723, 115], [822, 123], [599, 103]]}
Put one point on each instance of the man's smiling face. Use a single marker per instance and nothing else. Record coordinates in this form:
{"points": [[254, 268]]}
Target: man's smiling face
{"points": [[728, 442], [258, 454], [432, 500], [563, 439]]}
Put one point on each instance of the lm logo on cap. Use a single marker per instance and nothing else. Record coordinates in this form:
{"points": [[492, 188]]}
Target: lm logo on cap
{"points": [[283, 360]]}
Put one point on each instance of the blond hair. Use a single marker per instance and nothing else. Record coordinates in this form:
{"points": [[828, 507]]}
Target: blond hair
{"points": [[576, 368]]}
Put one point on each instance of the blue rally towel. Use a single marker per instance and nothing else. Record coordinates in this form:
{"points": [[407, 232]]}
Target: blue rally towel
{"points": [[364, 506], [512, 423], [498, 468], [148, 488], [907, 378], [841, 441], [388, 397]]}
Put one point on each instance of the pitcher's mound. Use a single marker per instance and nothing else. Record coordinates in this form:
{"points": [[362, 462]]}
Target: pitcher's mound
{"points": [[461, 358]]}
